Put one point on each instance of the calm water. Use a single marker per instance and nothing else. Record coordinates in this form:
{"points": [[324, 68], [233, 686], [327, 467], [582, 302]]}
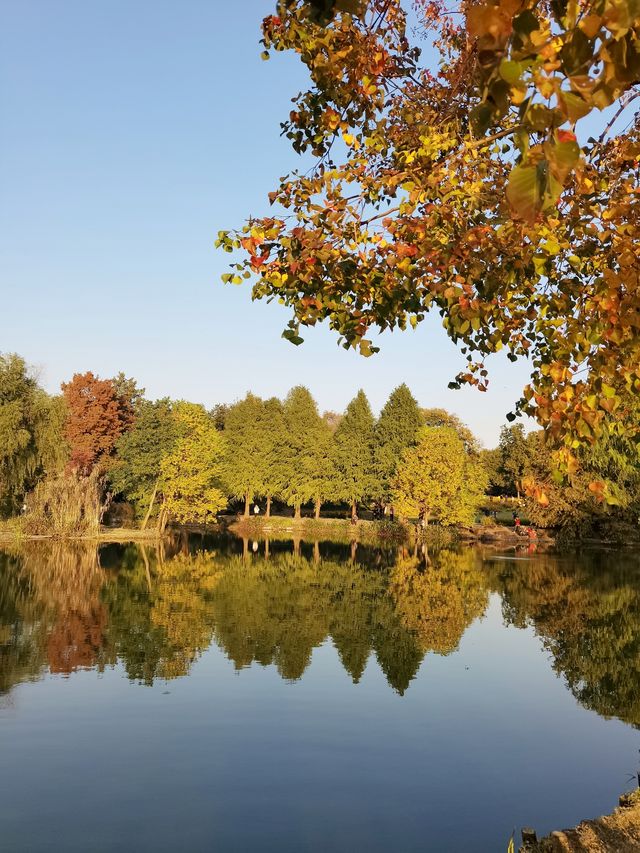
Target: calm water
{"points": [[322, 698]]}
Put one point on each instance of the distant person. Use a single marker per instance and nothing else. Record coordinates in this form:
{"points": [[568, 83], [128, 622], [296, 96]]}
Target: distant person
{"points": [[516, 521], [256, 509]]}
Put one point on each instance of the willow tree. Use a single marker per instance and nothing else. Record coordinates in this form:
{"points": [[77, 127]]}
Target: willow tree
{"points": [[353, 453], [463, 179], [31, 432]]}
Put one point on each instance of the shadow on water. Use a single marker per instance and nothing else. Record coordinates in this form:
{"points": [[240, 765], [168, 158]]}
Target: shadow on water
{"points": [[155, 611]]}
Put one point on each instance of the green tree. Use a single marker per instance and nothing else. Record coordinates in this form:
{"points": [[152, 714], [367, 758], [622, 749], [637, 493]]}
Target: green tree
{"points": [[437, 480], [136, 470], [128, 391], [575, 505], [191, 474], [273, 461], [31, 432], [353, 453], [396, 429], [308, 448], [244, 437], [443, 418], [514, 457]]}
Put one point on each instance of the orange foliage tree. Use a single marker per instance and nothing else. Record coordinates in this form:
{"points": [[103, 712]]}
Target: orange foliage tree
{"points": [[96, 417], [448, 168]]}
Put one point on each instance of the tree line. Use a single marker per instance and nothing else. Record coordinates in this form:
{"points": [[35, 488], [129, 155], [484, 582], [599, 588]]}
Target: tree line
{"points": [[176, 461]]}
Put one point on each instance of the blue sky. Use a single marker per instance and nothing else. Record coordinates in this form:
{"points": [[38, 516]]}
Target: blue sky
{"points": [[131, 133]]}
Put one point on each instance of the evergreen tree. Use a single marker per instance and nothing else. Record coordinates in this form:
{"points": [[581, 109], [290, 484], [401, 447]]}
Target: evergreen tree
{"points": [[136, 470], [273, 458], [353, 452], [397, 428], [244, 434], [308, 446]]}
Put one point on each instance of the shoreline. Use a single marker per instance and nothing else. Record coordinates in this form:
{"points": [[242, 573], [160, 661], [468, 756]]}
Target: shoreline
{"points": [[617, 832]]}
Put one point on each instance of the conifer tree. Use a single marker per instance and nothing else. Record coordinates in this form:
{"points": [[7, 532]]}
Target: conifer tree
{"points": [[244, 435], [308, 445], [273, 457], [396, 429], [353, 452]]}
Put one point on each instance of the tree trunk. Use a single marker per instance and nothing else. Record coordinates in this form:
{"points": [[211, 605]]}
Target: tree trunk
{"points": [[354, 550], [247, 503], [245, 548], [297, 511], [353, 509], [318, 505], [316, 552], [163, 518], [153, 497], [268, 511]]}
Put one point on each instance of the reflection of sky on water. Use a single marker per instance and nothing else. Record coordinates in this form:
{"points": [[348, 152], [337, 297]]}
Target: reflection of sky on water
{"points": [[483, 739]]}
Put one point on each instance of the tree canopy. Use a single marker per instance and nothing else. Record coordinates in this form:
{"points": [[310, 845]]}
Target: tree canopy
{"points": [[191, 472], [353, 452], [436, 479], [396, 429], [449, 167], [307, 449], [96, 417], [31, 443], [136, 469]]}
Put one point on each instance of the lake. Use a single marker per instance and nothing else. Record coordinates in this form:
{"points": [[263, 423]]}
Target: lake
{"points": [[221, 695]]}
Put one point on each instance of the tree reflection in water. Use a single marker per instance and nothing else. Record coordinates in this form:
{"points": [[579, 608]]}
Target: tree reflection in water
{"points": [[155, 611]]}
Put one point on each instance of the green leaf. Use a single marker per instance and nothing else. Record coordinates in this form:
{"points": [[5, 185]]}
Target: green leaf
{"points": [[293, 337], [510, 71], [523, 192]]}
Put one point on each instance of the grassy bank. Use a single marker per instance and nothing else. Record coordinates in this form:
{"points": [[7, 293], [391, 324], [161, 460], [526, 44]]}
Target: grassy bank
{"points": [[317, 530], [12, 533]]}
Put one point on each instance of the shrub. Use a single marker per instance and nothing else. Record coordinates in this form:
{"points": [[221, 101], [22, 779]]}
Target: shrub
{"points": [[65, 505]]}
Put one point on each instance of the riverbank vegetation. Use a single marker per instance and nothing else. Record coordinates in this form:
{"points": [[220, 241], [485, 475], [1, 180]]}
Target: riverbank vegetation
{"points": [[102, 452]]}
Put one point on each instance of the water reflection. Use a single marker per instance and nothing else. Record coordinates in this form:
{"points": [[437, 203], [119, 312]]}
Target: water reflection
{"points": [[156, 611], [586, 609]]}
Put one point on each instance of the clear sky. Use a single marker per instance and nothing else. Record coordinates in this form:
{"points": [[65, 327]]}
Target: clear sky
{"points": [[131, 132]]}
